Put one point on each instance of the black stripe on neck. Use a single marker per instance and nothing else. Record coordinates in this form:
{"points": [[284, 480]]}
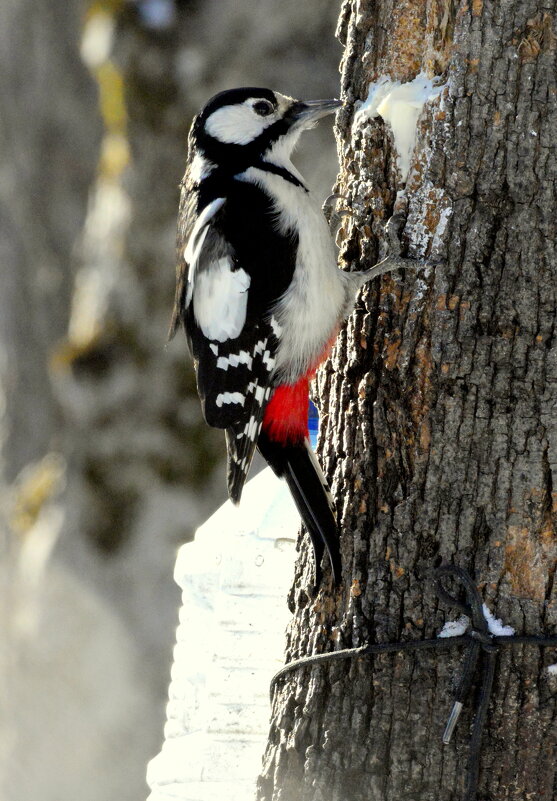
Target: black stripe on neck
{"points": [[268, 166]]}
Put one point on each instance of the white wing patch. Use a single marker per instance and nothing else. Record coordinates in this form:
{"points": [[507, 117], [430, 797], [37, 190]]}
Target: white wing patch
{"points": [[194, 245], [220, 299], [268, 360], [219, 292], [234, 359], [230, 397], [275, 327], [196, 240]]}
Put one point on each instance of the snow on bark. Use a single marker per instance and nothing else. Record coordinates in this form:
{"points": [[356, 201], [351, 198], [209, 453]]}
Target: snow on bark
{"points": [[454, 628]]}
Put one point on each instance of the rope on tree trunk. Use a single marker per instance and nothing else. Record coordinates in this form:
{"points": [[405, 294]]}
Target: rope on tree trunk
{"points": [[481, 646]]}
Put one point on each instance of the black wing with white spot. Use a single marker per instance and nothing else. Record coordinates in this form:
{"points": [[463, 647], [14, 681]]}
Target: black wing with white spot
{"points": [[235, 381], [234, 375], [235, 267], [242, 434], [187, 215]]}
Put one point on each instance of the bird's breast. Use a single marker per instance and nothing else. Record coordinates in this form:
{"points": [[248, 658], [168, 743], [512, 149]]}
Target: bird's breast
{"points": [[309, 310]]}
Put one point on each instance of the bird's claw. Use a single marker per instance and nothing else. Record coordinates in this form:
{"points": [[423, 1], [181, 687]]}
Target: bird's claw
{"points": [[333, 215], [330, 202], [393, 259]]}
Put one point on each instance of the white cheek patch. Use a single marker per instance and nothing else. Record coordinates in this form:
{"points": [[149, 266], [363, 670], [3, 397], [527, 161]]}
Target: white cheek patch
{"points": [[237, 124], [220, 300]]}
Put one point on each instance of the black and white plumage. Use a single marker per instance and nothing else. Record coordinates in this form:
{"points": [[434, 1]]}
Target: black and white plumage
{"points": [[259, 292]]}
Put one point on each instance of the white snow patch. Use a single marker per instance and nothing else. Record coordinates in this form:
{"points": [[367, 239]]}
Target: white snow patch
{"points": [[495, 625], [552, 670], [361, 11], [454, 628], [399, 104]]}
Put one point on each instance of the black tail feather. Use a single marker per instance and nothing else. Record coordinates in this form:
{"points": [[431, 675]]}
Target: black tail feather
{"points": [[299, 467], [317, 539]]}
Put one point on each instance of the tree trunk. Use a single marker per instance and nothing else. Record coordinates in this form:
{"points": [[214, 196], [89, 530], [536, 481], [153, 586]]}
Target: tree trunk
{"points": [[439, 420]]}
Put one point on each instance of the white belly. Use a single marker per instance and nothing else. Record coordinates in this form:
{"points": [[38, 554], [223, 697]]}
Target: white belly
{"points": [[311, 308]]}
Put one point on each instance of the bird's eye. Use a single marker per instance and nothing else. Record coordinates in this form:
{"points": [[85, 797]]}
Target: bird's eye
{"points": [[263, 108]]}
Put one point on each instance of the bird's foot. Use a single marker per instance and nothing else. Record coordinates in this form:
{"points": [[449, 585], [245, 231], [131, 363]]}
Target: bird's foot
{"points": [[335, 216], [394, 260], [330, 202]]}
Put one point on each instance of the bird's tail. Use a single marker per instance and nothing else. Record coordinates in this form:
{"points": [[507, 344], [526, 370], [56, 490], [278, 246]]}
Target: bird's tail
{"points": [[298, 465]]}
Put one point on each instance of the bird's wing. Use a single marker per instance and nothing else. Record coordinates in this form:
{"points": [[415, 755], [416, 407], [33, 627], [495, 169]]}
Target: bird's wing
{"points": [[230, 334], [185, 236]]}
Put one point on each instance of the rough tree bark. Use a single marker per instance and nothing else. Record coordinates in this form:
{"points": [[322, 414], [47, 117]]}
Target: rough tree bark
{"points": [[439, 421]]}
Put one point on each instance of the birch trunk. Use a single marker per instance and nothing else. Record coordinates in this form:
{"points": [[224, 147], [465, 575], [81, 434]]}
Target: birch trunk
{"points": [[439, 416]]}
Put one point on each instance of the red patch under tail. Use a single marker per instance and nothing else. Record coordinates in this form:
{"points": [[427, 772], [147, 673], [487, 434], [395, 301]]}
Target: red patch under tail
{"points": [[286, 414]]}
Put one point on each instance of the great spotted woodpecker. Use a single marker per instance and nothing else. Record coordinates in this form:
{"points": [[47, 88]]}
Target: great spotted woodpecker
{"points": [[259, 292]]}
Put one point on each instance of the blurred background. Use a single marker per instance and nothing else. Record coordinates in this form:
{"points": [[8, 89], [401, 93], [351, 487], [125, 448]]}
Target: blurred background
{"points": [[105, 464]]}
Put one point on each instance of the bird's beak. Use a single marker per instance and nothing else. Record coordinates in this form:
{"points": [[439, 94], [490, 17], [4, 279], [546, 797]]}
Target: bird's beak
{"points": [[306, 112]]}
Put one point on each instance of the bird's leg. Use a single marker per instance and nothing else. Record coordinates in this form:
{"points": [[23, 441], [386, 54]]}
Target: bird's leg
{"points": [[333, 215], [393, 261], [330, 202]]}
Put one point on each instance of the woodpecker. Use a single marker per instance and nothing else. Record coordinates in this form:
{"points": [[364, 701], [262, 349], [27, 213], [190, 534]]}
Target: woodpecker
{"points": [[259, 293]]}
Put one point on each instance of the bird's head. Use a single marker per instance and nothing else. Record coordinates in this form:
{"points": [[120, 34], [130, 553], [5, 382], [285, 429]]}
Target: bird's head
{"points": [[244, 125]]}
